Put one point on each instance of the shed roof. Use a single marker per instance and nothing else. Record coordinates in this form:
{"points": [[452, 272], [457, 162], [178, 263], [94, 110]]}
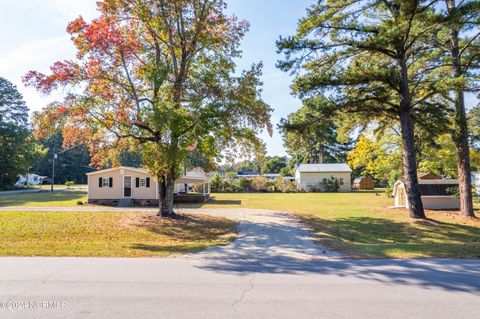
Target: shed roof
{"points": [[324, 168], [359, 179], [429, 175]]}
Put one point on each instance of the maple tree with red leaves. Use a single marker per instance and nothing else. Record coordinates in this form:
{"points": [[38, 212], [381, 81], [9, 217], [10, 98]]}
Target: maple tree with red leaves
{"points": [[156, 76]]}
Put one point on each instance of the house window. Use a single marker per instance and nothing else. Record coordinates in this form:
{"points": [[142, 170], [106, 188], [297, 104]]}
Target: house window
{"points": [[341, 181], [143, 182], [105, 182]]}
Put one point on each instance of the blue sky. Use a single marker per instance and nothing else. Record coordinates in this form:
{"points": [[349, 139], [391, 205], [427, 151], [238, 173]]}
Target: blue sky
{"points": [[34, 37]]}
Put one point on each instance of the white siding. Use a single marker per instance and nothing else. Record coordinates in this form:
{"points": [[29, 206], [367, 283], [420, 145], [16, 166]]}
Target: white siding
{"points": [[305, 181], [116, 191]]}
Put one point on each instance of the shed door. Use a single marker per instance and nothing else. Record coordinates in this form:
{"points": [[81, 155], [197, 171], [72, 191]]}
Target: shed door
{"points": [[127, 186], [402, 198]]}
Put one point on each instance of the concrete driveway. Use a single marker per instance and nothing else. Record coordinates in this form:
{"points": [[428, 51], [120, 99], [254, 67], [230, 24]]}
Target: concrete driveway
{"points": [[273, 270]]}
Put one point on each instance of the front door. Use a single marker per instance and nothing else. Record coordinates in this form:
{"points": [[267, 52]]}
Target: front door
{"points": [[127, 186]]}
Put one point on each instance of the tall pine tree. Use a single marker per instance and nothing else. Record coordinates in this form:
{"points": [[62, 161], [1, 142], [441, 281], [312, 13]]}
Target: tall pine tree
{"points": [[370, 58]]}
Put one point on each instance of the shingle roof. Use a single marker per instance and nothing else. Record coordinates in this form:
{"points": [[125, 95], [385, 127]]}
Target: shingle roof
{"points": [[324, 168]]}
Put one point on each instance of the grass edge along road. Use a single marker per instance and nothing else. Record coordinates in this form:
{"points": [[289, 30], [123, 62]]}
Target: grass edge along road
{"points": [[358, 224], [109, 234]]}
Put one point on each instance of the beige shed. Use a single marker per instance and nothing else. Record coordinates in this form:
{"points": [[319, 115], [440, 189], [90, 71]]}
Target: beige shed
{"points": [[436, 194]]}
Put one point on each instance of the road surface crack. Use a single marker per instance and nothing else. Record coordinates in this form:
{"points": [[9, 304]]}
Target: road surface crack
{"points": [[244, 292], [42, 282]]}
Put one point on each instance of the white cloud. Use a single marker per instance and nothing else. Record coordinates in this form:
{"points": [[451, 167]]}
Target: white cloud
{"points": [[60, 11], [36, 55]]}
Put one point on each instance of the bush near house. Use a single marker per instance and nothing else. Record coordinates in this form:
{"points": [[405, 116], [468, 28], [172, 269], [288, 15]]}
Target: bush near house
{"points": [[255, 184], [328, 185]]}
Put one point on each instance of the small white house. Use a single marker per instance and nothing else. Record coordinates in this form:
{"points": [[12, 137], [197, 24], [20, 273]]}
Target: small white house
{"points": [[435, 193], [30, 179], [128, 184], [313, 177]]}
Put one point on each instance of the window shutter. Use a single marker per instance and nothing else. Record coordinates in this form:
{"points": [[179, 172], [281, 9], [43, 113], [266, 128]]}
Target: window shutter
{"points": [[110, 182], [137, 182], [100, 182], [148, 182]]}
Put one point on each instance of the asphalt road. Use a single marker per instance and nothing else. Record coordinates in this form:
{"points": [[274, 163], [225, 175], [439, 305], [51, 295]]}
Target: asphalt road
{"points": [[274, 270]]}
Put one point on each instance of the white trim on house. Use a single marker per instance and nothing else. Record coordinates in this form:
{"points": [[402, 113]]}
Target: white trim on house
{"points": [[139, 170], [131, 187]]}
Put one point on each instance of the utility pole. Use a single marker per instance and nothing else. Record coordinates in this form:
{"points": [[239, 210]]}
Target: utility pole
{"points": [[52, 182], [53, 170], [55, 156]]}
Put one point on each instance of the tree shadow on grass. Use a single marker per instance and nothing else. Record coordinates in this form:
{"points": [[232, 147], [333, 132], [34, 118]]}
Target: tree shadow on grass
{"points": [[189, 232], [211, 202], [260, 249]]}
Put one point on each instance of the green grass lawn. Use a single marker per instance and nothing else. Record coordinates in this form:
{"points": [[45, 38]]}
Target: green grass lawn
{"points": [[57, 198], [108, 234], [360, 224]]}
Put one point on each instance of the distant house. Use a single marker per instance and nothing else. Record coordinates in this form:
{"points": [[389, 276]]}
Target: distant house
{"points": [[363, 182], [435, 193], [119, 185], [31, 179], [313, 177]]}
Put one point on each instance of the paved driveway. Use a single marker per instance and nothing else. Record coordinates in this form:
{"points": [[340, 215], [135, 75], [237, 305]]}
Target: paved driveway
{"points": [[273, 270]]}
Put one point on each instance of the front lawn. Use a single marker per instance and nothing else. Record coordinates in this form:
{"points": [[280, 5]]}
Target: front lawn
{"points": [[105, 234], [360, 224], [44, 198]]}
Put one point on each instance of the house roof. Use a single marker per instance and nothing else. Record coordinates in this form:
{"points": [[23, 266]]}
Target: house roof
{"points": [[324, 168], [193, 177], [139, 170]]}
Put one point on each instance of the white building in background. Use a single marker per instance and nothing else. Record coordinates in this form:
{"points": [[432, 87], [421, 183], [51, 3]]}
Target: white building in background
{"points": [[476, 182], [312, 177], [33, 179]]}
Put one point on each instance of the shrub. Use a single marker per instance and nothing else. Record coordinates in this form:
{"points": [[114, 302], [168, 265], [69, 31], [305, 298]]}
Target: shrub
{"points": [[69, 184], [331, 185], [241, 185], [79, 203], [285, 186], [216, 182], [259, 184]]}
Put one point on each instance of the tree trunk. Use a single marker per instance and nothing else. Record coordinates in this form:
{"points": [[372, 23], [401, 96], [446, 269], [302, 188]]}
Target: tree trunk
{"points": [[161, 193], [463, 157], [408, 141], [410, 167], [167, 203], [461, 127]]}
